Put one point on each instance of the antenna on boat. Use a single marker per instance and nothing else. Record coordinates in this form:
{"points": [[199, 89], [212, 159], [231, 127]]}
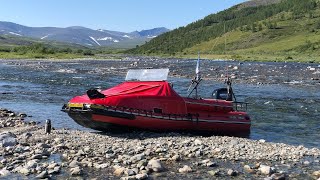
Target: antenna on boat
{"points": [[228, 81], [197, 79]]}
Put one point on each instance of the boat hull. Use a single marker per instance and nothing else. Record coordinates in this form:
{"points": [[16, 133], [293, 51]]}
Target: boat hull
{"points": [[103, 120]]}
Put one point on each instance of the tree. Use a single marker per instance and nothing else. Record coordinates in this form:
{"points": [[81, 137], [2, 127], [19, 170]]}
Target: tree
{"points": [[260, 27], [254, 27]]}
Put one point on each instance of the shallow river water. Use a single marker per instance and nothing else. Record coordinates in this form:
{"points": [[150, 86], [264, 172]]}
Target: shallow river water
{"points": [[284, 97]]}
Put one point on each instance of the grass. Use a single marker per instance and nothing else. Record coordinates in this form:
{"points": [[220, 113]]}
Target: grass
{"points": [[292, 40]]}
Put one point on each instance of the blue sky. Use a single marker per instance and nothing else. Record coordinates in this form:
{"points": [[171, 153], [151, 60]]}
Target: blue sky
{"points": [[118, 15]]}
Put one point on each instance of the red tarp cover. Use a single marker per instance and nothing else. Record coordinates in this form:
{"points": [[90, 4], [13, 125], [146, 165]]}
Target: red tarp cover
{"points": [[140, 95], [161, 88]]}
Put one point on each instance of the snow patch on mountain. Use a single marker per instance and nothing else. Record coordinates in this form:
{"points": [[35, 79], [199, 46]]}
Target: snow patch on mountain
{"points": [[44, 36], [105, 39], [15, 34], [108, 39], [126, 36], [95, 40], [150, 37]]}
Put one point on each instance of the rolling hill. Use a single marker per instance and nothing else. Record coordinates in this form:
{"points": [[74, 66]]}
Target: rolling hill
{"points": [[254, 30], [81, 35]]}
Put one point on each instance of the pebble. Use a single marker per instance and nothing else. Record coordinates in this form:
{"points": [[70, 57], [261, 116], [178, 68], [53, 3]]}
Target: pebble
{"points": [[155, 165], [316, 174], [141, 176], [232, 172], [267, 170], [55, 170], [176, 158], [134, 155], [76, 171], [7, 139], [74, 163], [43, 175], [24, 171], [185, 169], [4, 172], [119, 171], [214, 172], [278, 176]]}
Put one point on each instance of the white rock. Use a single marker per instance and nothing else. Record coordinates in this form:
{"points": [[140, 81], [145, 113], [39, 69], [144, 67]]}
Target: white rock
{"points": [[32, 164], [155, 165], [24, 171], [103, 166], [55, 170], [316, 174], [175, 157], [42, 175], [265, 169], [262, 140], [185, 169], [4, 172], [197, 142], [76, 171]]}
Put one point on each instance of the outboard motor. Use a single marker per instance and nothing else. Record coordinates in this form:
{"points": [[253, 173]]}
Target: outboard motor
{"points": [[224, 93]]}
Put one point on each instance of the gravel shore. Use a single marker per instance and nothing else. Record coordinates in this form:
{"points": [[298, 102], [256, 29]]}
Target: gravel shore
{"points": [[27, 152]]}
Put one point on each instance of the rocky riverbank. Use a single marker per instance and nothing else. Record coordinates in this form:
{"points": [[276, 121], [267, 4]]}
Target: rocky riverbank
{"points": [[27, 152]]}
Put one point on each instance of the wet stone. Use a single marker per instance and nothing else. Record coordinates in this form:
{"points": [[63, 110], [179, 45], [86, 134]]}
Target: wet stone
{"points": [[141, 176], [214, 172], [232, 172], [43, 175]]}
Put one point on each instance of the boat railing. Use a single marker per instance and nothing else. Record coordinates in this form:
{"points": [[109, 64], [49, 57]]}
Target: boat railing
{"points": [[240, 106]]}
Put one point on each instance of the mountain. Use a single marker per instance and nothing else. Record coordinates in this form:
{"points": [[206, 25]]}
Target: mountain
{"points": [[284, 29], [81, 35]]}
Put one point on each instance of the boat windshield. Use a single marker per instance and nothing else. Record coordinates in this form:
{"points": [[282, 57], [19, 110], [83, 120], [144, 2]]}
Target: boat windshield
{"points": [[147, 75]]}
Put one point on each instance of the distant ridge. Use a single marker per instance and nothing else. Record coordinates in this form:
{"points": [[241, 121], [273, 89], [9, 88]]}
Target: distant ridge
{"points": [[82, 35]]}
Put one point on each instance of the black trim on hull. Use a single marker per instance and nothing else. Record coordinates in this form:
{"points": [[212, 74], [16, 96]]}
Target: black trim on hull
{"points": [[114, 114]]}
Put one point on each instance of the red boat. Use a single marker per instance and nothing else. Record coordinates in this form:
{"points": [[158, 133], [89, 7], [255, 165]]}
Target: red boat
{"points": [[147, 101]]}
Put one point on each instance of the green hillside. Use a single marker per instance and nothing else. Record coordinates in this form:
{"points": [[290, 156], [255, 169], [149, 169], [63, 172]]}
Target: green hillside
{"points": [[283, 30]]}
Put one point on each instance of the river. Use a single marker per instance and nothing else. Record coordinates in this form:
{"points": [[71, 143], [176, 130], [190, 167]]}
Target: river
{"points": [[284, 97]]}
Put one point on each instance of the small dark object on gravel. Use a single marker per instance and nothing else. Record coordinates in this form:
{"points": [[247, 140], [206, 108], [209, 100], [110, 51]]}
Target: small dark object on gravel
{"points": [[47, 126]]}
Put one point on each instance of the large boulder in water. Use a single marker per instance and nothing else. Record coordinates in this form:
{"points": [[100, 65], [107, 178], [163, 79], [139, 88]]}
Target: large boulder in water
{"points": [[7, 139]]}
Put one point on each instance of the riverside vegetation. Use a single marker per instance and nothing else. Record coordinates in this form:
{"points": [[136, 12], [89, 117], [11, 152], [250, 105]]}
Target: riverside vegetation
{"points": [[27, 48], [27, 152]]}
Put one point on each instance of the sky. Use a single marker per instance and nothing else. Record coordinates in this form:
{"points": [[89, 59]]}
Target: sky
{"points": [[117, 15]]}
